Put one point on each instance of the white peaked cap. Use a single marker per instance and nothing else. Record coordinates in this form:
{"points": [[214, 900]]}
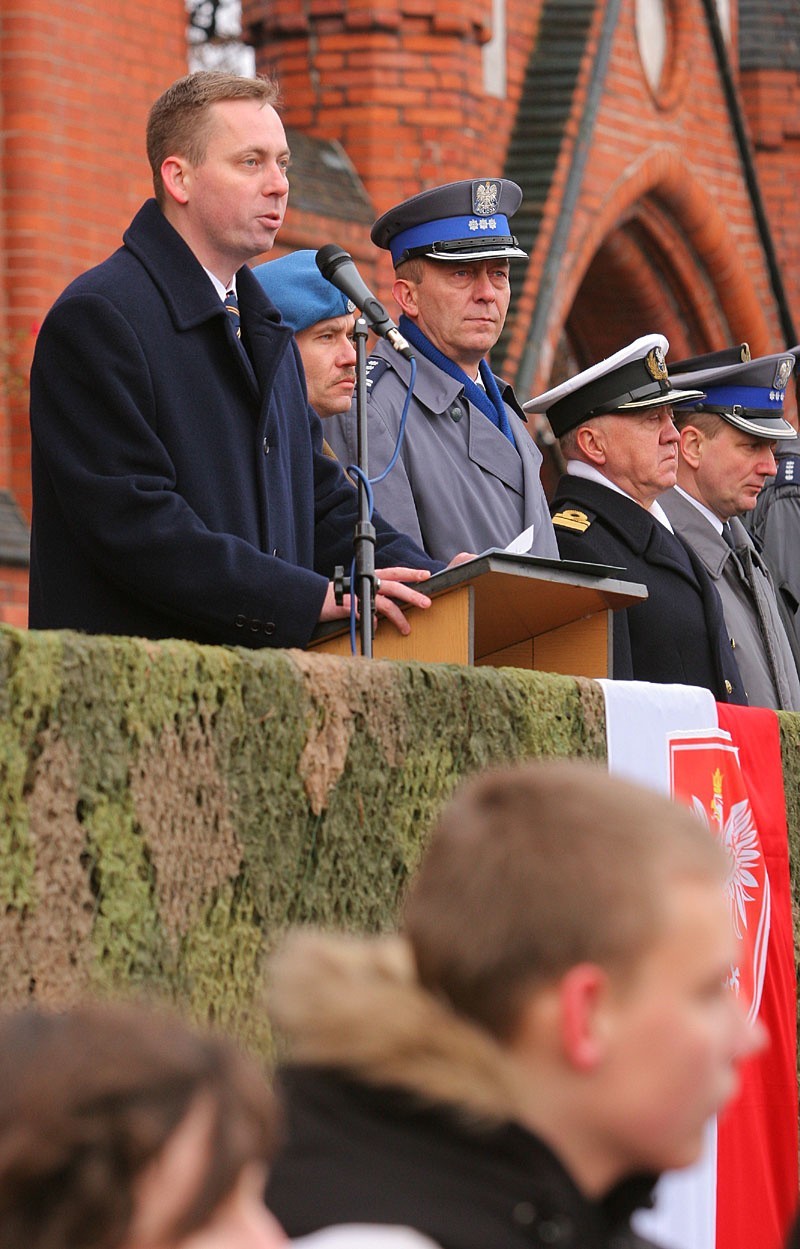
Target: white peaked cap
{"points": [[633, 378]]}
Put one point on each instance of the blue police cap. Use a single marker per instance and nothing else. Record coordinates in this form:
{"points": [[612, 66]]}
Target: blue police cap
{"points": [[748, 395], [300, 292], [460, 221]]}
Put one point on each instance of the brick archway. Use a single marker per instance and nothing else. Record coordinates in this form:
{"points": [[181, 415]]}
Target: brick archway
{"points": [[657, 256]]}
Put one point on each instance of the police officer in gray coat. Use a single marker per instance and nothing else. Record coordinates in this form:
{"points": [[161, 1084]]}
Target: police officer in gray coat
{"points": [[467, 477], [726, 453], [775, 526]]}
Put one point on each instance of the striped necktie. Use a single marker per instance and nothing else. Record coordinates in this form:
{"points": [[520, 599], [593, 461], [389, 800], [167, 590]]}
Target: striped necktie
{"points": [[232, 308]]}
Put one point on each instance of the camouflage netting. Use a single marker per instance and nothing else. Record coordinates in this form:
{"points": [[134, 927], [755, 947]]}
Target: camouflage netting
{"points": [[168, 809]]}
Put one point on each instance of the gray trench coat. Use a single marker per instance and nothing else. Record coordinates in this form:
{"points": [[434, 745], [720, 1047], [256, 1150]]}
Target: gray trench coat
{"points": [[749, 604], [458, 485]]}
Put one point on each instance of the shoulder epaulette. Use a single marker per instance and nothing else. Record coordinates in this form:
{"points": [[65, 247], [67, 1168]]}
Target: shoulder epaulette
{"points": [[788, 473], [375, 369], [574, 519]]}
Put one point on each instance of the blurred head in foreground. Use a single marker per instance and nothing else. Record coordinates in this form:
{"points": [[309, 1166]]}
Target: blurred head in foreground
{"points": [[121, 1128]]}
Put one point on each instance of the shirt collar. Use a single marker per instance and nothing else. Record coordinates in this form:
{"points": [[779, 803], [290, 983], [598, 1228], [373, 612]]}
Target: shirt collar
{"points": [[219, 287], [701, 507], [577, 468]]}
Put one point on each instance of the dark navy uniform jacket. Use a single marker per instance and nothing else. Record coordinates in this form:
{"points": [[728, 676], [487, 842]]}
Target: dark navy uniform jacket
{"points": [[677, 635], [179, 486]]}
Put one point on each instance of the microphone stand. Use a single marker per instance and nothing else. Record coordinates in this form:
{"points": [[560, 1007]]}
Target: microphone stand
{"points": [[364, 540]]}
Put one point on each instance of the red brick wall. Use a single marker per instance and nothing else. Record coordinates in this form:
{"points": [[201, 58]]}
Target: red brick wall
{"points": [[76, 82], [772, 103]]}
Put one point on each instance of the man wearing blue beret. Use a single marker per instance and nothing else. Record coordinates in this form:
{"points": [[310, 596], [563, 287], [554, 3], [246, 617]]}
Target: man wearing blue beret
{"points": [[322, 319], [726, 453], [468, 473]]}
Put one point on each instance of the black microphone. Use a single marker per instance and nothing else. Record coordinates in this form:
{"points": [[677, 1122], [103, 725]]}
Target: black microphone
{"points": [[337, 266]]}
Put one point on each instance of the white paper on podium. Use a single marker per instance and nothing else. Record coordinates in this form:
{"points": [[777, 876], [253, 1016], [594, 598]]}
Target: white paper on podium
{"points": [[522, 544]]}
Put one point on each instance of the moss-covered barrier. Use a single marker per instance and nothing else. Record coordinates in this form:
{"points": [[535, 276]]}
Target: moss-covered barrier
{"points": [[168, 809]]}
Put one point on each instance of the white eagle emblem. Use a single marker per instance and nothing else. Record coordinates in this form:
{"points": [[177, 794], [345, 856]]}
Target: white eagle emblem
{"points": [[485, 198]]}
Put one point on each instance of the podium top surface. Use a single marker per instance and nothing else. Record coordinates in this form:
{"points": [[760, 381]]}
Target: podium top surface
{"points": [[516, 597]]}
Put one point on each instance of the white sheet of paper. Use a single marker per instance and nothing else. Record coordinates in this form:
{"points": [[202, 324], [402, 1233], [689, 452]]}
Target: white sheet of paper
{"points": [[523, 542]]}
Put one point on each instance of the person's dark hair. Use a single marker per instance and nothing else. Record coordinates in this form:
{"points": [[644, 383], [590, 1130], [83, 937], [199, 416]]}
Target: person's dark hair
{"points": [[91, 1096], [536, 868], [181, 121], [710, 424]]}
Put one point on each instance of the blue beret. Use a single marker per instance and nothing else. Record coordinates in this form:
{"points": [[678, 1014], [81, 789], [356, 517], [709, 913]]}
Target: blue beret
{"points": [[300, 292], [459, 221], [748, 394]]}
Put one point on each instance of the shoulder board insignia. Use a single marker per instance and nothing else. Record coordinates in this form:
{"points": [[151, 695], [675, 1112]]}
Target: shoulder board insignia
{"points": [[573, 519], [375, 369], [788, 473]]}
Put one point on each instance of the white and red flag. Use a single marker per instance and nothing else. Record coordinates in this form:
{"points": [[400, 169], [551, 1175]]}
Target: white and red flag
{"points": [[724, 763]]}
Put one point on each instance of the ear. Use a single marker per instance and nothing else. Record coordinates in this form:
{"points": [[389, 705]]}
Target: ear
{"points": [[582, 997], [405, 295], [692, 441], [175, 176], [591, 443]]}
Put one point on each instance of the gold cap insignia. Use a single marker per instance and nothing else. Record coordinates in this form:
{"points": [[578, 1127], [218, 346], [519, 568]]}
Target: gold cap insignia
{"points": [[656, 365], [570, 518]]}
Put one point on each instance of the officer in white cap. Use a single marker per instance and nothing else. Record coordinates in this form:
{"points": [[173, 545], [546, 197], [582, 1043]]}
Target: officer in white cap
{"points": [[323, 320], [468, 474], [726, 453], [775, 522], [614, 423]]}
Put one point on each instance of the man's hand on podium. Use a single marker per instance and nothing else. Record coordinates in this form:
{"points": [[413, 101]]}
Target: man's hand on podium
{"points": [[391, 591]]}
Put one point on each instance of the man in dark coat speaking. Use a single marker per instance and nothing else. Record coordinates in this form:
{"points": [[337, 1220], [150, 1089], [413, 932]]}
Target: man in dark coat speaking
{"points": [[179, 485]]}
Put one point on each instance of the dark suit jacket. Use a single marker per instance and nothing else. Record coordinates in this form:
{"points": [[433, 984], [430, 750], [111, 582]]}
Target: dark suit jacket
{"points": [[180, 490], [677, 634]]}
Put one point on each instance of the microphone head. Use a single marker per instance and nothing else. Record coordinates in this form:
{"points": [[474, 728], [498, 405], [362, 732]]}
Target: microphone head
{"points": [[330, 257]]}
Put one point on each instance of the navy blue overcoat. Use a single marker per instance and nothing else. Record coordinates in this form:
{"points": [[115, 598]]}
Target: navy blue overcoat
{"points": [[677, 635], [179, 484]]}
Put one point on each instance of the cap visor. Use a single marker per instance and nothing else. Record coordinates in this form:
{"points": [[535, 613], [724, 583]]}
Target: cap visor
{"points": [[488, 253], [658, 401], [772, 427]]}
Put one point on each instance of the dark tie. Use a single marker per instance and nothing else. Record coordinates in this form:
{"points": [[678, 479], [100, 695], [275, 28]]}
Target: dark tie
{"points": [[232, 308], [728, 536]]}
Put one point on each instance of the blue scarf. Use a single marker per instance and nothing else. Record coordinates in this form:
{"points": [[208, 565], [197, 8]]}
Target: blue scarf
{"points": [[490, 401]]}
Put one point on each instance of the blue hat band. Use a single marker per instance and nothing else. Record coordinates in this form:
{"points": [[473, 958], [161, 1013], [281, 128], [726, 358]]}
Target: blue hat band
{"points": [[448, 229], [761, 398]]}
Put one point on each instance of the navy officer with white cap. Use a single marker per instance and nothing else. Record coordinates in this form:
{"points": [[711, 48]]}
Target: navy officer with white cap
{"points": [[614, 424], [468, 474], [726, 453]]}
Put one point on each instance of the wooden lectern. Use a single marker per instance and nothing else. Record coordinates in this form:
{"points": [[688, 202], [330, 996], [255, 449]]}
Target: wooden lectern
{"points": [[518, 611]]}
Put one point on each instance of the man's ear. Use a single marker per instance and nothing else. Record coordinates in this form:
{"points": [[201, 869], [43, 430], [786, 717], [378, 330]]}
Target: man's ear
{"points": [[583, 998], [405, 295], [590, 440], [692, 440], [175, 177]]}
